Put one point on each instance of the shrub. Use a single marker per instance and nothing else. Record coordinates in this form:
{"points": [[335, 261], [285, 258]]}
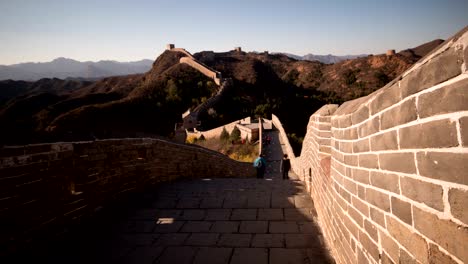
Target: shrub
{"points": [[191, 139]]}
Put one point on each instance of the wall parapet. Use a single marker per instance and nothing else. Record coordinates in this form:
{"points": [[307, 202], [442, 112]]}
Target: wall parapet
{"points": [[48, 187], [396, 187]]}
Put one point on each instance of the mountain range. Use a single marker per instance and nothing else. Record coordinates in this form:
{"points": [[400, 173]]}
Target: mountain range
{"points": [[63, 68], [150, 103]]}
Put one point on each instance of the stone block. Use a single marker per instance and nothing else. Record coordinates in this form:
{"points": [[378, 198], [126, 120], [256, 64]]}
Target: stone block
{"points": [[210, 255], [361, 114], [234, 240], [388, 97], [401, 114], [196, 226], [268, 240], [171, 239], [360, 206], [346, 147], [378, 199], [361, 146], [182, 255], [423, 192], [377, 216], [355, 215], [371, 230], [255, 227], [451, 167], [244, 214], [370, 127], [458, 200], [448, 99], [361, 192], [436, 256], [225, 227], [218, 214], [249, 256], [399, 162], [344, 121], [449, 235], [368, 161], [202, 239], [351, 160], [270, 214], [283, 227], [406, 258], [464, 130], [413, 242], [402, 210], [361, 175], [435, 134], [302, 241], [369, 245], [386, 141], [350, 133], [389, 246], [386, 181]]}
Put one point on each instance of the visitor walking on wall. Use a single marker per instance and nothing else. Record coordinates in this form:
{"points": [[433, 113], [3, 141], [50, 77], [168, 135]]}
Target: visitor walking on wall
{"points": [[260, 165], [285, 166]]}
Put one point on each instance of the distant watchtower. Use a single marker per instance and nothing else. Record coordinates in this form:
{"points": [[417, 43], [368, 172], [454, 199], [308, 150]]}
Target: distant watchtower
{"points": [[170, 46], [238, 49], [390, 52]]}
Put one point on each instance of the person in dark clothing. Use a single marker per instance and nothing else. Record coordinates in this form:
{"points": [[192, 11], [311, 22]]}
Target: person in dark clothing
{"points": [[260, 166], [285, 166]]}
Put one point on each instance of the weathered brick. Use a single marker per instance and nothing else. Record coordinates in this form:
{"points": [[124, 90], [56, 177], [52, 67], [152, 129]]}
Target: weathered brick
{"points": [[436, 256], [423, 192], [389, 246], [369, 161], [404, 113], [360, 206], [370, 127], [435, 134], [344, 121], [351, 226], [378, 199], [360, 115], [413, 242], [369, 246], [452, 167], [402, 210], [346, 147], [371, 230], [361, 175], [386, 259], [441, 68], [350, 133], [388, 97], [449, 235], [458, 200], [400, 162], [464, 130], [406, 258], [350, 186], [361, 192], [361, 146], [386, 141], [448, 99], [387, 181], [351, 160], [355, 215]]}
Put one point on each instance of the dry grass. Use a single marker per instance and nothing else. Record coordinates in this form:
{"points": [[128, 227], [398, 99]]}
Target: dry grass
{"points": [[237, 151]]}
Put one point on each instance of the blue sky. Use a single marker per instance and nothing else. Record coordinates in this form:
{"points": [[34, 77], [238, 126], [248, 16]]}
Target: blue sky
{"points": [[41, 30]]}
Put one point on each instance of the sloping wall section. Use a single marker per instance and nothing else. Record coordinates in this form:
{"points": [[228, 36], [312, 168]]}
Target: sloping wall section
{"points": [[47, 187], [389, 172]]}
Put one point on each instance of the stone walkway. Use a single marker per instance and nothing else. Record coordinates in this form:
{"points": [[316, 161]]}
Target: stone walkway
{"points": [[236, 221]]}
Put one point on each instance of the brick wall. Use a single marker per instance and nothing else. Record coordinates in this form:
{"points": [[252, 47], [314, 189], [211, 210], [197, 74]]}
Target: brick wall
{"points": [[45, 188], [388, 172]]}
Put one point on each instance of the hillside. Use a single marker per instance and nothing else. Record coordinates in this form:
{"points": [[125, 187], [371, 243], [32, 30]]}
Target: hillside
{"points": [[150, 104]]}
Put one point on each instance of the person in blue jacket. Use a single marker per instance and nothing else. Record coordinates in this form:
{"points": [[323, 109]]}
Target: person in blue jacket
{"points": [[260, 165]]}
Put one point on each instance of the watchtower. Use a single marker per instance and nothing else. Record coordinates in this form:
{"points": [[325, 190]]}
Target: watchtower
{"points": [[238, 49], [170, 46], [390, 52]]}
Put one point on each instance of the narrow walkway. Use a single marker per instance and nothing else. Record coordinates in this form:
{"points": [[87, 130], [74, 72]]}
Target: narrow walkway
{"points": [[235, 221]]}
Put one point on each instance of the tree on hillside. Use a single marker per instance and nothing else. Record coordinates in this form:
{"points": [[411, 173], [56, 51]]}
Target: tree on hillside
{"points": [[224, 134], [235, 134]]}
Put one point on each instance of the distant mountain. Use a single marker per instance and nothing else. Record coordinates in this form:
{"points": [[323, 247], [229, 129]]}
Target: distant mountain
{"points": [[327, 59], [63, 68]]}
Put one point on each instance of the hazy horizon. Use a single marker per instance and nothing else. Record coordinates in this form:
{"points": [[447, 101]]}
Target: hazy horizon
{"points": [[127, 31]]}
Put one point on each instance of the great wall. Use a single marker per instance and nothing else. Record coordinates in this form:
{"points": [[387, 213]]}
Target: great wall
{"points": [[387, 173]]}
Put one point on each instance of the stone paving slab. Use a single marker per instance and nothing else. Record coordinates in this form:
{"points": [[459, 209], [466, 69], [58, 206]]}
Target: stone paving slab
{"points": [[250, 256], [210, 255]]}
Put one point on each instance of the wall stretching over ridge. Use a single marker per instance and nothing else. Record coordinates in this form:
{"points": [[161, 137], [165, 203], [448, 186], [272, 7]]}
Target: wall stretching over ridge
{"points": [[216, 76], [388, 172], [47, 187]]}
